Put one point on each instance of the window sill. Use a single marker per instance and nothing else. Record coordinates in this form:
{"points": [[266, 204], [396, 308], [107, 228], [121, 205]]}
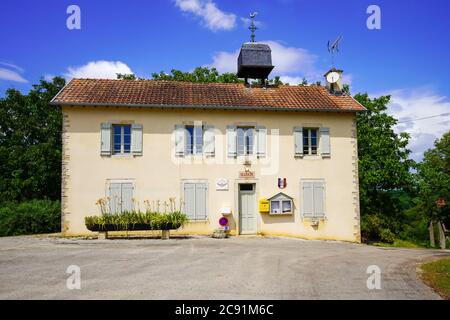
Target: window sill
{"points": [[198, 221], [122, 156], [282, 214], [310, 157]]}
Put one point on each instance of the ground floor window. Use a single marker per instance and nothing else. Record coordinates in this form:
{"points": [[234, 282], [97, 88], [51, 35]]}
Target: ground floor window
{"points": [[195, 200], [313, 196], [120, 197]]}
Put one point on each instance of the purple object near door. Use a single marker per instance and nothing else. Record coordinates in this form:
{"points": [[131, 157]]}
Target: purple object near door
{"points": [[223, 221]]}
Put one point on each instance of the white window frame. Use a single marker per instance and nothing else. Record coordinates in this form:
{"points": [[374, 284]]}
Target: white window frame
{"points": [[197, 181], [122, 139], [248, 150], [302, 212], [195, 150], [309, 145]]}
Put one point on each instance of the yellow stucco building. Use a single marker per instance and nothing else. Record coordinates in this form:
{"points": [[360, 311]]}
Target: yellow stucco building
{"points": [[274, 160]]}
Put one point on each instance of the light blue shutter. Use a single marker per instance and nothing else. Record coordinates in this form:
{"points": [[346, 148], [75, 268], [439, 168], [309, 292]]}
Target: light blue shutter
{"points": [[325, 142], [198, 138], [298, 141], [115, 195], [200, 201], [231, 140], [261, 136], [308, 199], [105, 149], [209, 140], [127, 197], [179, 140], [250, 141], [319, 199], [136, 139], [189, 200]]}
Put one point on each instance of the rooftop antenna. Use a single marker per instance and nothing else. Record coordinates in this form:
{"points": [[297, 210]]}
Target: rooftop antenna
{"points": [[333, 47], [252, 26]]}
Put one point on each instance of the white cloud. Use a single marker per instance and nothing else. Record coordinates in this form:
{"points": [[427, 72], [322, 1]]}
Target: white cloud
{"points": [[291, 62], [213, 18], [48, 77], [11, 73], [407, 105], [98, 69], [291, 80]]}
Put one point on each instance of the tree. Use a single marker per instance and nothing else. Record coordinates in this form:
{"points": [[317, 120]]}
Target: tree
{"points": [[384, 167], [30, 143], [200, 74], [433, 180]]}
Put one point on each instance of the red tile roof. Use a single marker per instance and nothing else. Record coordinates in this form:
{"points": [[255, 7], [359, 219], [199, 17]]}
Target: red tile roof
{"points": [[152, 93]]}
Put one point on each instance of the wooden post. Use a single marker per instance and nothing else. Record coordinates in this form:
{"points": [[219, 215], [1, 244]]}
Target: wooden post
{"points": [[431, 230], [441, 235], [165, 234], [102, 235]]}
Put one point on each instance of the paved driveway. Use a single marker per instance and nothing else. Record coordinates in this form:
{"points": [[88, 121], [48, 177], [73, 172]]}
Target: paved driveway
{"points": [[204, 268]]}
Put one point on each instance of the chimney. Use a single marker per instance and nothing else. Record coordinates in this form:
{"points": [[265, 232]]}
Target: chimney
{"points": [[333, 80]]}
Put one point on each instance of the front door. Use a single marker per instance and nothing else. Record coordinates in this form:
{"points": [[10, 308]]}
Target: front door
{"points": [[247, 208]]}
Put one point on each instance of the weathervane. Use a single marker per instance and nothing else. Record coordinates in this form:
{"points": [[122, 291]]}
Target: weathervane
{"points": [[252, 26], [333, 48]]}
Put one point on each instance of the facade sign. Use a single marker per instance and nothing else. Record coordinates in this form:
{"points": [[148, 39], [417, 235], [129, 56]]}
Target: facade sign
{"points": [[222, 184], [247, 174]]}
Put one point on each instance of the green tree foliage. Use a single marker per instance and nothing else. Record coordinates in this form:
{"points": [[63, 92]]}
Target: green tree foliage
{"points": [[28, 217], [30, 143], [200, 74], [433, 180], [384, 167]]}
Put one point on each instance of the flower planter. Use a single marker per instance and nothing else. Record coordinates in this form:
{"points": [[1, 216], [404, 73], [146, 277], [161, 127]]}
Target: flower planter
{"points": [[130, 227]]}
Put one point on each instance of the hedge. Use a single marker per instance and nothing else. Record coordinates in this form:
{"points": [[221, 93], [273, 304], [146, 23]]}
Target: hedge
{"points": [[30, 217]]}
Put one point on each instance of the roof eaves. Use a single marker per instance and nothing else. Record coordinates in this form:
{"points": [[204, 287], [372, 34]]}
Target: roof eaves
{"points": [[131, 105], [61, 90]]}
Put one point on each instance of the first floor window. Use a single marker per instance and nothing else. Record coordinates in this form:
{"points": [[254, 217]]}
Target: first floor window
{"points": [[120, 197], [194, 139], [195, 196], [310, 141], [245, 140], [121, 139], [313, 199]]}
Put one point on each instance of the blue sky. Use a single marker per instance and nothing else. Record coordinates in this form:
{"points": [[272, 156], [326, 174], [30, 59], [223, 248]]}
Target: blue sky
{"points": [[407, 57]]}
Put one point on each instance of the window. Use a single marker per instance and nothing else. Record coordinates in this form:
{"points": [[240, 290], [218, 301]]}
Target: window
{"points": [[281, 204], [120, 197], [195, 198], [275, 206], [245, 140], [194, 140], [310, 138], [121, 139], [286, 206], [313, 199]]}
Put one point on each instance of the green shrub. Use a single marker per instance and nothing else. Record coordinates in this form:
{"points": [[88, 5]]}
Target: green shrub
{"points": [[376, 228], [387, 236], [30, 217]]}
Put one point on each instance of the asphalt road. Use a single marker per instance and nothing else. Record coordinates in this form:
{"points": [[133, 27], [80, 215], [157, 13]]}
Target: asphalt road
{"points": [[205, 268]]}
